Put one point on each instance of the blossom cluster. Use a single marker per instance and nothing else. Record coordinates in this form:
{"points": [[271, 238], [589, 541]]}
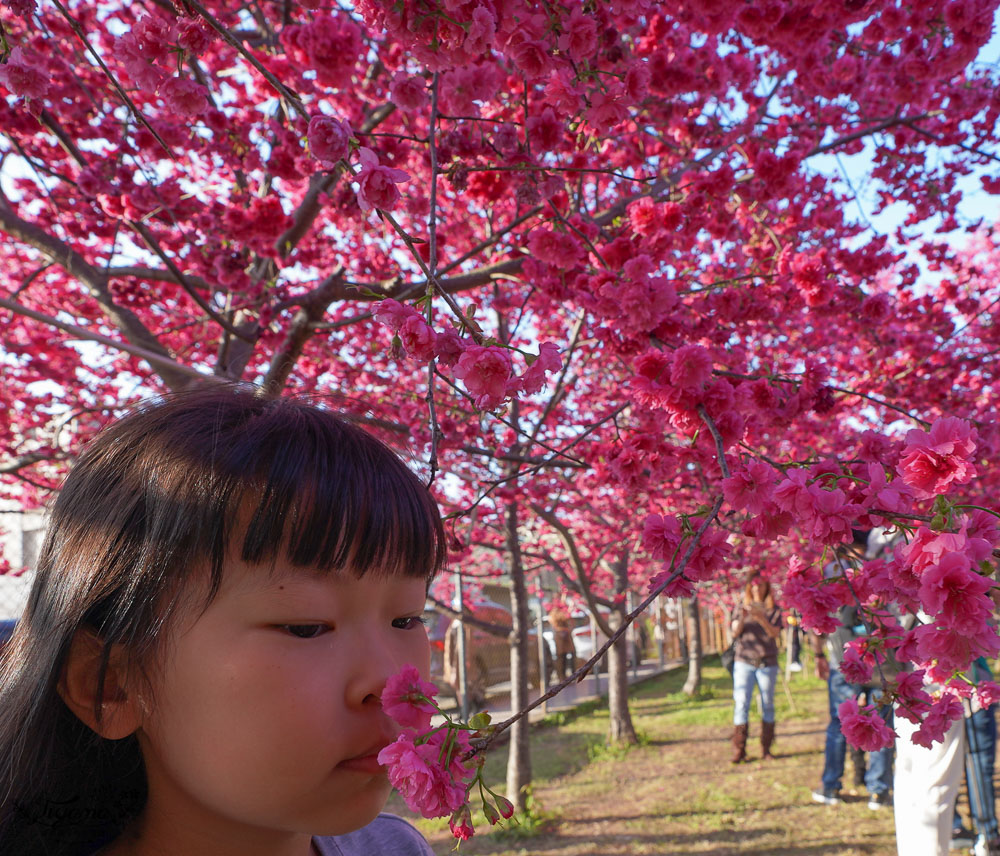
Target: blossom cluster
{"points": [[668, 538], [200, 184], [940, 574], [487, 371], [431, 765], [146, 52]]}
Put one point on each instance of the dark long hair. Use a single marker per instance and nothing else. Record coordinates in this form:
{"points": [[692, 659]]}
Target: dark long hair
{"points": [[180, 483]]}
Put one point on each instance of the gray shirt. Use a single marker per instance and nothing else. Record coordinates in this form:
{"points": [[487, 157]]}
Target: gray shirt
{"points": [[387, 835]]}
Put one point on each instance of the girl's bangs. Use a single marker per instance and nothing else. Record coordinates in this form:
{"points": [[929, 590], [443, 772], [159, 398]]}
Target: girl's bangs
{"points": [[330, 497]]}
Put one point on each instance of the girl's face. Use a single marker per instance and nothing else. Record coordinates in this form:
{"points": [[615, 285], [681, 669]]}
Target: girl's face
{"points": [[758, 590], [266, 719]]}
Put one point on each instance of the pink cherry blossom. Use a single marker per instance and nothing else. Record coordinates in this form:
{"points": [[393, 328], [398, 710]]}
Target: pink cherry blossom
{"points": [[913, 699], [545, 131], [750, 488], [424, 783], [24, 8], [482, 30], [556, 248], [690, 368], [673, 586], [816, 598], [933, 461], [929, 547], [579, 40], [953, 650], [548, 360], [880, 493], [607, 110], [448, 347], [709, 555], [418, 339], [792, 493], [661, 536], [460, 823], [21, 75], [377, 183], [529, 55], [393, 314], [408, 92], [863, 727], [329, 139], [184, 97], [937, 721], [486, 372], [409, 700], [955, 594], [987, 694], [854, 667]]}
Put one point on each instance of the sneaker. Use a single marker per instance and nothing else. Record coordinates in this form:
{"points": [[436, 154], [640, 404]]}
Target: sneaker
{"points": [[795, 667], [827, 797], [982, 847], [880, 800]]}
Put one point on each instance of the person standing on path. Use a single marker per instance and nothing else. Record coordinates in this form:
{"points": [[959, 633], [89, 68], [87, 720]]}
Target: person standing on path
{"points": [[562, 632], [756, 625], [878, 776]]}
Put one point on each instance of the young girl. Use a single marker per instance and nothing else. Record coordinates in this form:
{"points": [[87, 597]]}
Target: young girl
{"points": [[226, 584]]}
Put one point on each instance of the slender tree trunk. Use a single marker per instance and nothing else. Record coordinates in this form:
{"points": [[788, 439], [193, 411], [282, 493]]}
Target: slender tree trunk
{"points": [[519, 759], [693, 628], [620, 728]]}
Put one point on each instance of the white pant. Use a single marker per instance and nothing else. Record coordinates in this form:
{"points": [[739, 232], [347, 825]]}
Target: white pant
{"points": [[925, 786]]}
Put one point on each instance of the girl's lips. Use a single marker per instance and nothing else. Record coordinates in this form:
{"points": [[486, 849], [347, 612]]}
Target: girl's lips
{"points": [[363, 764], [367, 761]]}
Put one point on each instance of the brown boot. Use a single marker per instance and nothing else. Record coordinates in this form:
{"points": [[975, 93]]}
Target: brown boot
{"points": [[766, 739], [740, 743]]}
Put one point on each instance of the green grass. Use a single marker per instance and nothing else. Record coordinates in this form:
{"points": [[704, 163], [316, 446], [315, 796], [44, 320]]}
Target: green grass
{"points": [[565, 742], [677, 784]]}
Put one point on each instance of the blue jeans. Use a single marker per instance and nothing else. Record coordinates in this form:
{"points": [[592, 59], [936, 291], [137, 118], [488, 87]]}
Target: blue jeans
{"points": [[878, 776], [745, 677], [981, 736]]}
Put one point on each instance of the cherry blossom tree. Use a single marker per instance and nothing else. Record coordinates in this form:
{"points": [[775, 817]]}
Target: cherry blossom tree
{"points": [[564, 232]]}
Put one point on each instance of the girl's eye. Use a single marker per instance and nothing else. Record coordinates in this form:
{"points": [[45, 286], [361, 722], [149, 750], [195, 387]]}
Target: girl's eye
{"points": [[305, 631], [410, 623]]}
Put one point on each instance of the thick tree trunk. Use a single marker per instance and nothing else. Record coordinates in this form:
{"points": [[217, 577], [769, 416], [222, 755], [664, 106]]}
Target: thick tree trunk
{"points": [[692, 620], [519, 759], [620, 728]]}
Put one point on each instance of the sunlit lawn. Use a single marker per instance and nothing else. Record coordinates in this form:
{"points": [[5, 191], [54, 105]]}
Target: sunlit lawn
{"points": [[677, 793]]}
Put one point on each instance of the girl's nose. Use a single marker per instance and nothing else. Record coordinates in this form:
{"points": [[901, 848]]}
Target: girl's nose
{"points": [[377, 658], [373, 665]]}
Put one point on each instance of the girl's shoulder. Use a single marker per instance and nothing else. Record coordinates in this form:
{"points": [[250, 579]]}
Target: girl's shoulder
{"points": [[387, 834]]}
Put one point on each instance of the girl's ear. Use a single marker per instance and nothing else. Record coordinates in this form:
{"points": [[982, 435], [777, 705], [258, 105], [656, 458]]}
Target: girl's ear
{"points": [[120, 707]]}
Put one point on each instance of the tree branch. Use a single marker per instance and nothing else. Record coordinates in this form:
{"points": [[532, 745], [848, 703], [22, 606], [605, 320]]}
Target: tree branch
{"points": [[311, 311], [19, 463], [321, 183], [181, 279], [279, 87], [165, 366], [143, 343]]}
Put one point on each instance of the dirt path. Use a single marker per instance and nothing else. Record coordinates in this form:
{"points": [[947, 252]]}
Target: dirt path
{"points": [[677, 793]]}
